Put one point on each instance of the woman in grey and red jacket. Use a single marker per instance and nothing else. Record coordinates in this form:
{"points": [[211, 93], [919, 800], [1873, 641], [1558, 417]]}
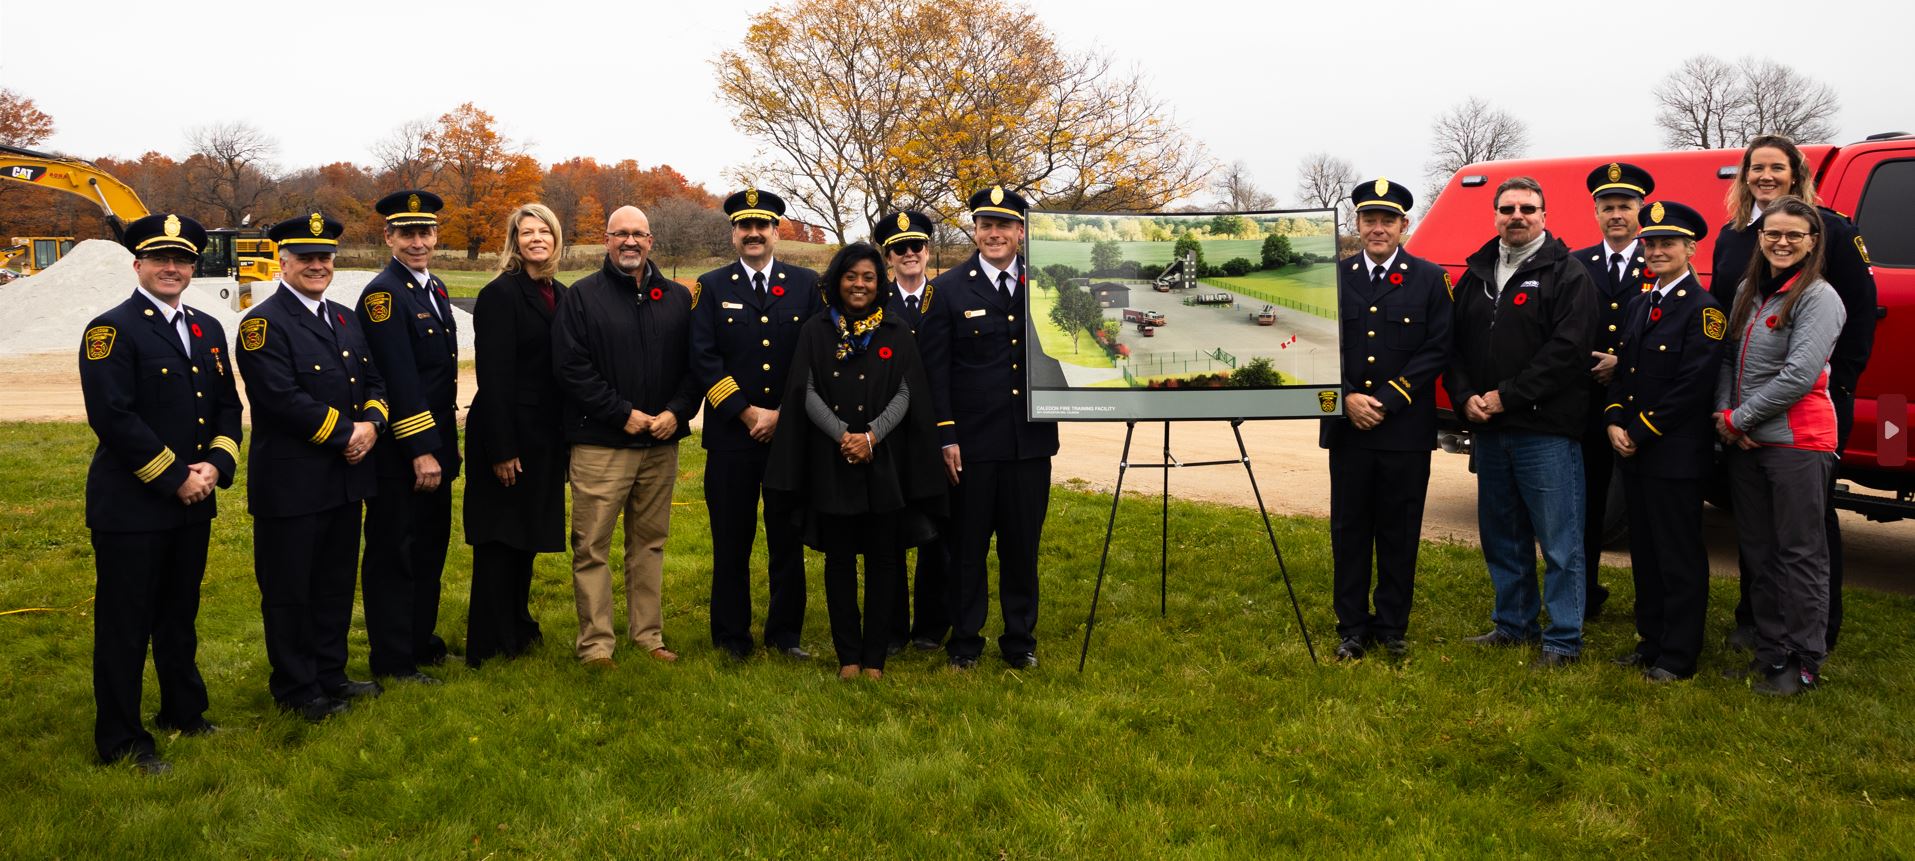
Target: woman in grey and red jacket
{"points": [[1774, 410]]}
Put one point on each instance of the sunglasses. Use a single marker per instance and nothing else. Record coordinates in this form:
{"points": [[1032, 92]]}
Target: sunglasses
{"points": [[908, 246], [1527, 208]]}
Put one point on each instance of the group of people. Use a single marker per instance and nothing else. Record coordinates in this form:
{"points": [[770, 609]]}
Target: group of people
{"points": [[906, 429], [1567, 365]]}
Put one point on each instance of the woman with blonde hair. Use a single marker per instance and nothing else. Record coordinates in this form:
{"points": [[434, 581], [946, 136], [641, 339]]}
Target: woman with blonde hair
{"points": [[515, 490], [1773, 167]]}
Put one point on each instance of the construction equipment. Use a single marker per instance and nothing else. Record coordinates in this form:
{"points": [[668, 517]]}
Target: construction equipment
{"points": [[242, 254]]}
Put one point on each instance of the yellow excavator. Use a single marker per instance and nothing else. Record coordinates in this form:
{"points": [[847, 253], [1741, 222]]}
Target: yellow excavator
{"points": [[244, 255]]}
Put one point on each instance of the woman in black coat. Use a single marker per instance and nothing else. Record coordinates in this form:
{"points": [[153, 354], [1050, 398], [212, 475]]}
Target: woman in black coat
{"points": [[858, 458], [515, 488]]}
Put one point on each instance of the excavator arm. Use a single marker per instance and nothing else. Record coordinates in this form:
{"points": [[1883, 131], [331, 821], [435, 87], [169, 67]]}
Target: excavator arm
{"points": [[117, 200]]}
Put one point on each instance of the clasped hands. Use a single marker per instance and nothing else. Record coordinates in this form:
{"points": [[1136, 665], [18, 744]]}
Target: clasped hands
{"points": [[856, 447]]}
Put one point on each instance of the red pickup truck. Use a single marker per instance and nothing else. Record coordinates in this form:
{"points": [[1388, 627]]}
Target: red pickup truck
{"points": [[1873, 181]]}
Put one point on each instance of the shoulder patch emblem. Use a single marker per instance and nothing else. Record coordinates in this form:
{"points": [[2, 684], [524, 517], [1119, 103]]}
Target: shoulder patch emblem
{"points": [[698, 289], [379, 306], [924, 304], [1714, 325], [252, 333], [1862, 248], [99, 342], [1327, 400]]}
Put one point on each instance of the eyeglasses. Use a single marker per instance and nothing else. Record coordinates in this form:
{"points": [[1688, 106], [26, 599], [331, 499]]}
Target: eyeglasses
{"points": [[628, 235], [1792, 237], [908, 246], [1527, 208]]}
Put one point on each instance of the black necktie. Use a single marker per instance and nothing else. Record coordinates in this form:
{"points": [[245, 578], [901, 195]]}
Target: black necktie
{"points": [[1615, 269], [758, 282], [1376, 277], [913, 302], [321, 311], [1004, 285]]}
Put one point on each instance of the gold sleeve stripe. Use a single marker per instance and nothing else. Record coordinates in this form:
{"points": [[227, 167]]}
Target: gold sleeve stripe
{"points": [[376, 404], [1401, 391], [1612, 407], [401, 431], [946, 424], [423, 420], [1645, 421], [156, 466], [226, 444], [721, 390], [325, 427]]}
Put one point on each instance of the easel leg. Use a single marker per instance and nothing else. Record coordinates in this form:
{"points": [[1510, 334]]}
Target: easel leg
{"points": [[1236, 427], [1163, 536], [1090, 622]]}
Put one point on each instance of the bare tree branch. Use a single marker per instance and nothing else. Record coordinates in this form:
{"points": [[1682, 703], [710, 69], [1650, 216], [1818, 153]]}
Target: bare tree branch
{"points": [[1470, 132], [1237, 192], [403, 155], [230, 169], [1710, 104]]}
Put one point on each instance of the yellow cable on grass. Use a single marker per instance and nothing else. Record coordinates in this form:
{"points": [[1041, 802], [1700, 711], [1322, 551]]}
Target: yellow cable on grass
{"points": [[89, 600]]}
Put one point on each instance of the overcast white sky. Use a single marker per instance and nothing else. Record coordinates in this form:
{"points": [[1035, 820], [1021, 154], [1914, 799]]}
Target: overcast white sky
{"points": [[633, 79]]}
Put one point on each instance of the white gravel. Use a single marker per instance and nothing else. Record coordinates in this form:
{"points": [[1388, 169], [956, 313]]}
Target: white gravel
{"points": [[48, 312]]}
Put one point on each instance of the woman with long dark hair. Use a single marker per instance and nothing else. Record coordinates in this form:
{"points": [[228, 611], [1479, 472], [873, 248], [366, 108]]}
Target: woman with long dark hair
{"points": [[515, 490], [1775, 416], [1772, 167], [862, 468]]}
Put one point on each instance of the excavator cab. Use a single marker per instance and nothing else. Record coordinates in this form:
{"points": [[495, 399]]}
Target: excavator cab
{"points": [[216, 259]]}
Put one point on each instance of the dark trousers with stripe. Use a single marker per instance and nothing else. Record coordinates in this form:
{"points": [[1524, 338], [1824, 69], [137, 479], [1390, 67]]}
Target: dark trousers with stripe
{"points": [[1670, 565], [1007, 499], [918, 611], [499, 620], [306, 567], [862, 640], [1376, 504], [146, 590], [734, 483], [406, 537]]}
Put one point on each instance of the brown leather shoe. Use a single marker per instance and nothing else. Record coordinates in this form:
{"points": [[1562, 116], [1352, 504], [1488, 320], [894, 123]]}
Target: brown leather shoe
{"points": [[601, 664], [664, 654], [848, 671]]}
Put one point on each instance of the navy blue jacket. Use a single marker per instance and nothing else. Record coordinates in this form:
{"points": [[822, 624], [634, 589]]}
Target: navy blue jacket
{"points": [[156, 408], [1612, 299], [741, 344], [416, 347], [973, 344], [1664, 388], [1395, 342], [307, 383]]}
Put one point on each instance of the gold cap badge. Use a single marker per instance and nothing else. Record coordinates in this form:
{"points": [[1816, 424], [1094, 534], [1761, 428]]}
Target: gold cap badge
{"points": [[904, 221], [172, 225], [1382, 187], [317, 224], [1615, 172], [1655, 213], [997, 195], [751, 197], [412, 203]]}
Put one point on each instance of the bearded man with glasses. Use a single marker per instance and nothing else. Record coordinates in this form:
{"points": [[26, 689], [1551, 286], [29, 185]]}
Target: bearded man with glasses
{"points": [[1525, 320]]}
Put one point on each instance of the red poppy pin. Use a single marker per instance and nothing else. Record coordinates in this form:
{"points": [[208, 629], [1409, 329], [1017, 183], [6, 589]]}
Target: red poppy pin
{"points": [[196, 332], [342, 318], [657, 294], [1521, 298], [1771, 322], [777, 289], [884, 352], [1396, 277], [1655, 314]]}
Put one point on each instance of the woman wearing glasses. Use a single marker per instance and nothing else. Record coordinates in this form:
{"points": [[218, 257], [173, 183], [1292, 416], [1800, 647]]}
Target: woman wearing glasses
{"points": [[1774, 414], [515, 493], [1773, 166]]}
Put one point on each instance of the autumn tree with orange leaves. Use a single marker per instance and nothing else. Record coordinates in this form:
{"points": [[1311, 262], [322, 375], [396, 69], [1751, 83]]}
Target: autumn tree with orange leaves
{"points": [[864, 108], [482, 176]]}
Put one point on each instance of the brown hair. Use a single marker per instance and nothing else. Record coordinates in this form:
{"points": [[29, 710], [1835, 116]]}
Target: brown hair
{"points": [[1520, 183], [1759, 270], [512, 260], [1741, 201]]}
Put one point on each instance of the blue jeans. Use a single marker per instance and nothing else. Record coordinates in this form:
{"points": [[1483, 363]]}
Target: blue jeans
{"points": [[1529, 491]]}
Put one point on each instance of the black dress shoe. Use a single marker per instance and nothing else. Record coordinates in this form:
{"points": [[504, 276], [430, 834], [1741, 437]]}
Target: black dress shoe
{"points": [[318, 708], [893, 648], [352, 690], [202, 727], [796, 653], [416, 678], [1552, 660], [963, 663], [1021, 660], [150, 764], [1350, 649], [1632, 658], [1660, 675], [1396, 647], [926, 644], [1496, 637]]}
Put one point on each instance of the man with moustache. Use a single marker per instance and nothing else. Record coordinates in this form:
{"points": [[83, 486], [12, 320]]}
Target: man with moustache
{"points": [[318, 408], [1616, 269], [160, 398], [745, 323], [620, 344], [407, 318], [1394, 345], [905, 238], [1524, 321], [997, 460]]}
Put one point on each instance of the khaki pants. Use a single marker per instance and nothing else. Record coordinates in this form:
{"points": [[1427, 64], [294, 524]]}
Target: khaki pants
{"points": [[605, 482]]}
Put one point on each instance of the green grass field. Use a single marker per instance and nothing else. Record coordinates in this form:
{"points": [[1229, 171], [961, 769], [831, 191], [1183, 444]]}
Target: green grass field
{"points": [[1204, 733], [1057, 343], [1315, 286], [1049, 251]]}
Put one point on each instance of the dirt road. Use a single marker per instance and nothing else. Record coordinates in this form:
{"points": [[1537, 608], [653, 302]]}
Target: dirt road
{"points": [[1291, 470]]}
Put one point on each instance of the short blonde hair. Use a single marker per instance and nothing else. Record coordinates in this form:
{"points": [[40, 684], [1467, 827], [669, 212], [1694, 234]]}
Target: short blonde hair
{"points": [[512, 260]]}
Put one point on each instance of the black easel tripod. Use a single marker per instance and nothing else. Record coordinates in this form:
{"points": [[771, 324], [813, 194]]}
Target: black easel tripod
{"points": [[1163, 549]]}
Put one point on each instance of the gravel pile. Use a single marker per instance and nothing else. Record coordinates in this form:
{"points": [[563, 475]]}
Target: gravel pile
{"points": [[48, 312]]}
